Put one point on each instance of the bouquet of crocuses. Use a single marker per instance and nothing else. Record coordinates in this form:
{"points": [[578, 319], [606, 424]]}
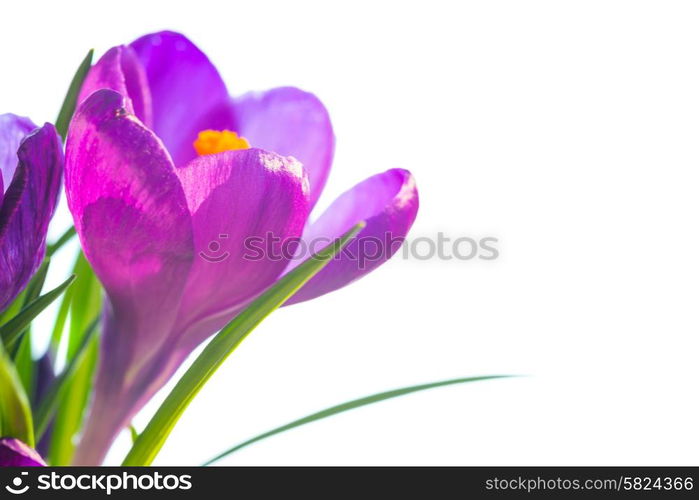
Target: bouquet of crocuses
{"points": [[192, 209]]}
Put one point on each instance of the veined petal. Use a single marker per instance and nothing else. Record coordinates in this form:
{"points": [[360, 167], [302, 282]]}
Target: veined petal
{"points": [[119, 69], [183, 84], [290, 122], [132, 218], [14, 453], [388, 202], [12, 198], [13, 129], [27, 209], [135, 228], [246, 206]]}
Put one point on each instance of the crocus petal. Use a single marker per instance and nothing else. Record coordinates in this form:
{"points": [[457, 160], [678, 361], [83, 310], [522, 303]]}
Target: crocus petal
{"points": [[131, 215], [14, 453], [13, 129], [132, 218], [28, 206], [119, 69], [290, 122], [236, 198], [388, 204], [183, 84]]}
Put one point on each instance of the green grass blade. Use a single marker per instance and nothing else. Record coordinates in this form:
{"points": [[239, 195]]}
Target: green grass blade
{"points": [[82, 272], [15, 411], [60, 323], [37, 282], [49, 402], [86, 303], [71, 410], [22, 299], [25, 365], [11, 331], [151, 440], [350, 405], [71, 99], [13, 309], [62, 240], [133, 432], [83, 302], [22, 351]]}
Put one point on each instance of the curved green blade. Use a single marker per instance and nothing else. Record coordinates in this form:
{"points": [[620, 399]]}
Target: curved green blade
{"points": [[350, 405], [82, 302], [11, 331], [133, 432], [50, 401], [71, 99], [21, 352], [151, 440], [62, 240], [15, 412]]}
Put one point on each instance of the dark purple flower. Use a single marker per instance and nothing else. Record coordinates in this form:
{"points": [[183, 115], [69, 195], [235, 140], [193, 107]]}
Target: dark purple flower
{"points": [[31, 169], [14, 453], [165, 191]]}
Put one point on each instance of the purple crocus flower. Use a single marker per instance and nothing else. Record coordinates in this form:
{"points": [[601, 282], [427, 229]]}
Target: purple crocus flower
{"points": [[168, 179], [31, 169], [14, 453]]}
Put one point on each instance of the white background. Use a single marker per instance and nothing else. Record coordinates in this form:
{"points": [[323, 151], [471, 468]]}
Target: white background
{"points": [[566, 129]]}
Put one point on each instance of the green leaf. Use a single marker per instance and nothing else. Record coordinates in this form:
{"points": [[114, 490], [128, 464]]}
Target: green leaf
{"points": [[62, 240], [25, 365], [30, 292], [22, 353], [12, 330], [134, 433], [15, 412], [83, 301], [50, 401], [350, 405], [71, 98], [151, 440], [71, 410], [86, 304], [60, 323], [37, 282], [14, 308]]}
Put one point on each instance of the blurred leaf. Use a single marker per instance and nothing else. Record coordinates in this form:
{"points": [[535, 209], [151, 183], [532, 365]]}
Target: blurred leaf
{"points": [[15, 412], [22, 354], [350, 405], [71, 407], [12, 330], [24, 298], [64, 238], [37, 282], [64, 309], [83, 304], [60, 323], [24, 364], [86, 303], [14, 308], [71, 99], [134, 433], [151, 440], [50, 401]]}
